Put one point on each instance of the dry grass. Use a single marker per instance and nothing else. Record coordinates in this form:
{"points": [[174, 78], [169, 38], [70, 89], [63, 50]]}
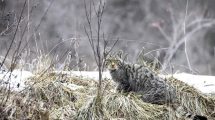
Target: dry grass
{"points": [[50, 97], [118, 106]]}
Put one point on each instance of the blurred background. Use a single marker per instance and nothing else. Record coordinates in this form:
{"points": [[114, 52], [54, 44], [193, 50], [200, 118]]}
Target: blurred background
{"points": [[179, 33]]}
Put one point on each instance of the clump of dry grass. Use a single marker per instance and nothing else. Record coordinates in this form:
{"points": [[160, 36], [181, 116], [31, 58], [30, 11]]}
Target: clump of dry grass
{"points": [[44, 98], [118, 106], [49, 96], [193, 99]]}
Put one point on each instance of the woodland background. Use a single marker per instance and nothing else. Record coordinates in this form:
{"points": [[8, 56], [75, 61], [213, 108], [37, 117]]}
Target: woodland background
{"points": [[179, 32]]}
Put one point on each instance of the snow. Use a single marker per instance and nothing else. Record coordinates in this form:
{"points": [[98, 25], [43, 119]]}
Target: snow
{"points": [[86, 74], [16, 79], [72, 86], [206, 84]]}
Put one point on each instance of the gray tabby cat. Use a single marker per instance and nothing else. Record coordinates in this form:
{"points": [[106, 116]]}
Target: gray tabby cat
{"points": [[141, 80]]}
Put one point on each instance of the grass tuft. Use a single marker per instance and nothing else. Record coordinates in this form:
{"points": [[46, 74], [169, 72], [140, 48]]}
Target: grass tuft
{"points": [[61, 96]]}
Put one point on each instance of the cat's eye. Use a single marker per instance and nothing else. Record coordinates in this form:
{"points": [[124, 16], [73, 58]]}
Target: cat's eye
{"points": [[107, 62]]}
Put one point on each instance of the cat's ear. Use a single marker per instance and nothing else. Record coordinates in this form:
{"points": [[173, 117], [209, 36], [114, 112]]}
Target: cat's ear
{"points": [[108, 57], [119, 54]]}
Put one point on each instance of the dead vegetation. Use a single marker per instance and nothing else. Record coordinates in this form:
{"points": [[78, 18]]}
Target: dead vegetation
{"points": [[58, 96]]}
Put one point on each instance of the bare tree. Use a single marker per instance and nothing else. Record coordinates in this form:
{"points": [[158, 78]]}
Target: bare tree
{"points": [[97, 40], [184, 26]]}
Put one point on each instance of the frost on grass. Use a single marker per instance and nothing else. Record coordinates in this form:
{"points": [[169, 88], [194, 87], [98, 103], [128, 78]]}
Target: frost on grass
{"points": [[61, 96]]}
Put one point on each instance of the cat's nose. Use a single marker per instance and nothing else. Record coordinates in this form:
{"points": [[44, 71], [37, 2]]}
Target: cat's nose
{"points": [[112, 65]]}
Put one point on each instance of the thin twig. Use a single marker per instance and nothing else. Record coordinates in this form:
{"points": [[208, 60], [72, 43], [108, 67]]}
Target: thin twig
{"points": [[185, 39], [13, 39]]}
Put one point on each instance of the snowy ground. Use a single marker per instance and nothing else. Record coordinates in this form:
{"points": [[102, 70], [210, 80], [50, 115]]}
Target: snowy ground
{"points": [[16, 79], [205, 84]]}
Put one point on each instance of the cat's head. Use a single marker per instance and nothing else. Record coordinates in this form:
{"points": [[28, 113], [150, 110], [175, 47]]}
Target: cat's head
{"points": [[114, 62]]}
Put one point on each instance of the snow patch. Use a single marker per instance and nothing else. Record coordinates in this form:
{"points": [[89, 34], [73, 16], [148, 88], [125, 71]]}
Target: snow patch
{"points": [[15, 80], [206, 84], [86, 74], [72, 86]]}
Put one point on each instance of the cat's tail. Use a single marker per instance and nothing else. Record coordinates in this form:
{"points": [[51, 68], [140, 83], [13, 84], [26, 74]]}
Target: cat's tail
{"points": [[197, 117]]}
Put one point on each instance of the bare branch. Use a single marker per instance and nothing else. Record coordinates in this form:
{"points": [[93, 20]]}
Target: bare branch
{"points": [[13, 39], [185, 40], [99, 53]]}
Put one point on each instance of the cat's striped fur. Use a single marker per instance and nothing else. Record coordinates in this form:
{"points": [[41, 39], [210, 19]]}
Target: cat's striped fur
{"points": [[152, 88]]}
